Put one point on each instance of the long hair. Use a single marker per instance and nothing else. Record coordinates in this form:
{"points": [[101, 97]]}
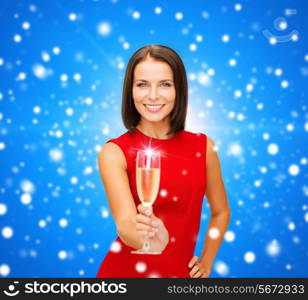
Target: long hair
{"points": [[130, 115]]}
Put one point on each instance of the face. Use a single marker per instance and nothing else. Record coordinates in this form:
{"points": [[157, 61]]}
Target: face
{"points": [[153, 90]]}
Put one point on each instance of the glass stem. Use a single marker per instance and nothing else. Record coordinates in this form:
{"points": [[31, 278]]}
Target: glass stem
{"points": [[146, 244]]}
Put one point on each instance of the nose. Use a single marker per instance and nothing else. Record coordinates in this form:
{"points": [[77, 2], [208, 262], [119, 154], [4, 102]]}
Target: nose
{"points": [[153, 93]]}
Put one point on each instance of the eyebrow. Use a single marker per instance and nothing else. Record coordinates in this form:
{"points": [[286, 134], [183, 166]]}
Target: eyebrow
{"points": [[147, 81]]}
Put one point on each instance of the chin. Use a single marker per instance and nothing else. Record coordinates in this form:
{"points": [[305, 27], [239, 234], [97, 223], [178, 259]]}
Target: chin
{"points": [[153, 119], [158, 120]]}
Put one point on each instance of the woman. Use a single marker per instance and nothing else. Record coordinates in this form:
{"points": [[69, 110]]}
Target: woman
{"points": [[154, 107]]}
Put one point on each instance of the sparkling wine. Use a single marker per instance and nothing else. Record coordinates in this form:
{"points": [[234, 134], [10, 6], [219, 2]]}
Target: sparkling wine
{"points": [[147, 181], [148, 184]]}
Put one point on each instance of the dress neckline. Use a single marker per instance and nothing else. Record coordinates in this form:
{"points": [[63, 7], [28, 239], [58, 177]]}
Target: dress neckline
{"points": [[155, 139]]}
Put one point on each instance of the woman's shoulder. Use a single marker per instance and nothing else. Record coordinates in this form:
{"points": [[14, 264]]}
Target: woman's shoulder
{"points": [[194, 134], [114, 148], [112, 151], [208, 142], [198, 135]]}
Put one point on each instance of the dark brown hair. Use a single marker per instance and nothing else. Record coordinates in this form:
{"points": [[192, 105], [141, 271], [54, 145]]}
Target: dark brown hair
{"points": [[130, 115]]}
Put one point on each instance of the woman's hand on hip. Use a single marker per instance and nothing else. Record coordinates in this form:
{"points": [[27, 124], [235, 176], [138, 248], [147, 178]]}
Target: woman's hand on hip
{"points": [[198, 270]]}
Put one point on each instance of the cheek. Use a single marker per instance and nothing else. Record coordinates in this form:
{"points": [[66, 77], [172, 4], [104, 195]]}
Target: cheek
{"points": [[171, 106], [169, 94], [138, 94]]}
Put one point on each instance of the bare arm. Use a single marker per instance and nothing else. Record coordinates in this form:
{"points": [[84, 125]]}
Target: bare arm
{"points": [[112, 166], [132, 226], [220, 214]]}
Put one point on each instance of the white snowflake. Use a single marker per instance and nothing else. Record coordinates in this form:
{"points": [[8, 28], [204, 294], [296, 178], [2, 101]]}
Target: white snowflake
{"points": [[214, 233], [272, 149], [115, 247], [229, 236], [221, 268], [293, 169], [249, 257], [7, 232], [273, 248], [140, 267]]}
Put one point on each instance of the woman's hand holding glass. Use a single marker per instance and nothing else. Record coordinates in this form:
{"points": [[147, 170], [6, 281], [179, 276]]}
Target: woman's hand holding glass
{"points": [[150, 226]]}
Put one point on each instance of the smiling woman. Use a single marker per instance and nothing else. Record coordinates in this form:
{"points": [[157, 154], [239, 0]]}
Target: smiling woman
{"points": [[155, 75], [154, 98], [154, 106]]}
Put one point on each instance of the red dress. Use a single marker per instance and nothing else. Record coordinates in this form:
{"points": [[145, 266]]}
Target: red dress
{"points": [[178, 205]]}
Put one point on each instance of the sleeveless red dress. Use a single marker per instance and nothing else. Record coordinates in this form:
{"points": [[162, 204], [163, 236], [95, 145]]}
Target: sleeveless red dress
{"points": [[178, 205]]}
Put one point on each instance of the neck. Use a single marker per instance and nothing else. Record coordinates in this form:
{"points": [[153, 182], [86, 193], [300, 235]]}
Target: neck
{"points": [[158, 131]]}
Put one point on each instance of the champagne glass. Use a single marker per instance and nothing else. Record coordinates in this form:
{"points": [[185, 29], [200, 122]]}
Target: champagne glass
{"points": [[148, 179]]}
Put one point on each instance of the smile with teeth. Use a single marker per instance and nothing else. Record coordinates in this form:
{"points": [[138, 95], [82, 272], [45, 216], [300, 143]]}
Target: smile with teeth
{"points": [[154, 108]]}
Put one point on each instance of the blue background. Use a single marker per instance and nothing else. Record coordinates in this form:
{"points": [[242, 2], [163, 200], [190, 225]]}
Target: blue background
{"points": [[52, 126]]}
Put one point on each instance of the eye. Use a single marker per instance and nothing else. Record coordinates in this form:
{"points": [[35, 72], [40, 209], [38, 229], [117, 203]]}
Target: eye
{"points": [[166, 84]]}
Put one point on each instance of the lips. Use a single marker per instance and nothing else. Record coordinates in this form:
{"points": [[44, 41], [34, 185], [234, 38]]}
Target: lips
{"points": [[154, 108]]}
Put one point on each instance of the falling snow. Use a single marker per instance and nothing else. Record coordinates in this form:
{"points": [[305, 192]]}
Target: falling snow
{"points": [[229, 236], [214, 233], [273, 248], [61, 101], [115, 247], [249, 257], [221, 268], [141, 267]]}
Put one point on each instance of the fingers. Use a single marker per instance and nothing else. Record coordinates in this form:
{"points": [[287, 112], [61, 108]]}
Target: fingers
{"points": [[147, 211], [205, 274], [194, 265], [146, 220], [197, 270], [193, 261], [194, 271], [145, 233], [146, 226], [197, 275], [141, 227], [201, 273]]}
